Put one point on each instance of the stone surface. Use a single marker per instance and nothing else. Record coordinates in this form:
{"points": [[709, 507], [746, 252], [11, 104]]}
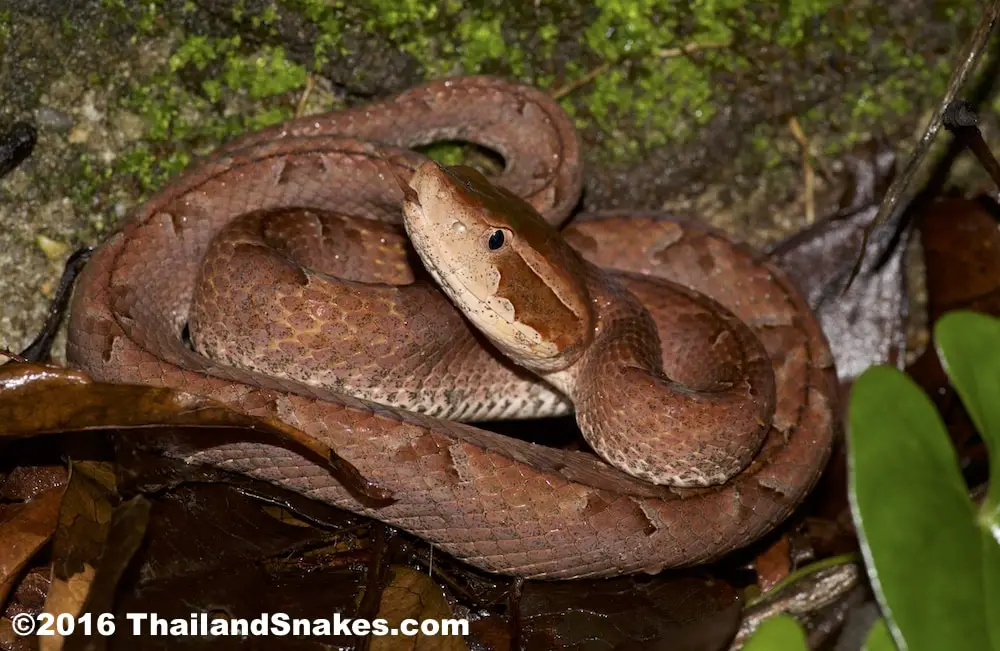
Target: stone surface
{"points": [[678, 108]]}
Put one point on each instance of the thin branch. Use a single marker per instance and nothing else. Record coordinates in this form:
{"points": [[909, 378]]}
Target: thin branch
{"points": [[574, 85], [966, 64], [300, 108], [666, 53], [809, 180]]}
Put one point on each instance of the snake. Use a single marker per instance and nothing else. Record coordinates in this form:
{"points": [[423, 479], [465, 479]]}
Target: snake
{"points": [[324, 273]]}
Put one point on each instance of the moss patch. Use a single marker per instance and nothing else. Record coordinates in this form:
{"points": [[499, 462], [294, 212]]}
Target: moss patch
{"points": [[5, 29], [190, 113], [638, 75], [207, 90]]}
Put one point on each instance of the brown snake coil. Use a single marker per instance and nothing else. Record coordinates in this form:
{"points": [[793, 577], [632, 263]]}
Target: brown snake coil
{"points": [[500, 504]]}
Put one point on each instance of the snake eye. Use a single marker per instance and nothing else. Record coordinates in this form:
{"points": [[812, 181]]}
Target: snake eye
{"points": [[496, 240]]}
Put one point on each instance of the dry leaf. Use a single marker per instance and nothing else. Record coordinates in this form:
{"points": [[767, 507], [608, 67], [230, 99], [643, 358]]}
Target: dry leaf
{"points": [[414, 595], [24, 530]]}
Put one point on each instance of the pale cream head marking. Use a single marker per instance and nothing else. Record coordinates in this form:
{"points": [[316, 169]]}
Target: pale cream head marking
{"points": [[508, 270]]}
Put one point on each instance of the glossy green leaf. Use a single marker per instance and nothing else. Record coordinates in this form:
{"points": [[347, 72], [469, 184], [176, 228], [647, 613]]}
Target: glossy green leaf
{"points": [[968, 344], [778, 633], [879, 638], [922, 545]]}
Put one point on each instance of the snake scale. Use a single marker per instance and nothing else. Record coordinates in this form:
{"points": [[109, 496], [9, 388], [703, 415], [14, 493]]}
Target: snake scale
{"points": [[366, 322]]}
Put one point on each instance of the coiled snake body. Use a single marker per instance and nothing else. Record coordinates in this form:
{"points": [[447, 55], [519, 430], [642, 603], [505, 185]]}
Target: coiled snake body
{"points": [[722, 417]]}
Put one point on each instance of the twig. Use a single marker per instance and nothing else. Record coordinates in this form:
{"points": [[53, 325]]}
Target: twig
{"points": [[688, 48], [300, 108], [960, 118], [563, 91], [967, 62], [665, 53], [807, 169], [13, 356]]}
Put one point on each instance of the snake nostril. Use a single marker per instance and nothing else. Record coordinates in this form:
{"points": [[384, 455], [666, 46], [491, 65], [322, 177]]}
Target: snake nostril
{"points": [[186, 335]]}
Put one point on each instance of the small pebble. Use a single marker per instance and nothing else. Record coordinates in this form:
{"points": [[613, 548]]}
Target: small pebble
{"points": [[53, 119], [131, 126], [54, 250], [80, 133]]}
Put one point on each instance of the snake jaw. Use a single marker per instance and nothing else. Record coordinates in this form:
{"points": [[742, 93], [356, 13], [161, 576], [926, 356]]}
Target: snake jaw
{"points": [[419, 227], [436, 214]]}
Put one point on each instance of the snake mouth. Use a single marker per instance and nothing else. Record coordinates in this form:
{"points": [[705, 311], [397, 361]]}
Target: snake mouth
{"points": [[464, 295], [186, 336]]}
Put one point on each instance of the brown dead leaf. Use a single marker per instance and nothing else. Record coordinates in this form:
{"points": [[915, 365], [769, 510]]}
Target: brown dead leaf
{"points": [[961, 245], [220, 550], [84, 519], [865, 324], [962, 251], [226, 529], [29, 596], [37, 399], [414, 595], [11, 641], [66, 596], [125, 535], [230, 554], [24, 482], [24, 529], [774, 563], [80, 540]]}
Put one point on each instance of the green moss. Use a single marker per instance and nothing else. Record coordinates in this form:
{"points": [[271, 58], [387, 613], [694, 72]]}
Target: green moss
{"points": [[664, 96], [184, 117], [677, 95], [666, 66], [175, 111], [90, 178], [475, 39], [482, 40], [327, 16], [144, 16], [266, 73], [149, 169], [794, 29], [446, 153], [627, 28], [445, 38], [548, 34], [259, 18], [149, 12], [5, 28], [861, 111], [396, 15], [67, 29], [762, 144]]}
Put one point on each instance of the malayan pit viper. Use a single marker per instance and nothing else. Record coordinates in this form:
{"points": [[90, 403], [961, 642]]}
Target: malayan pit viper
{"points": [[730, 411]]}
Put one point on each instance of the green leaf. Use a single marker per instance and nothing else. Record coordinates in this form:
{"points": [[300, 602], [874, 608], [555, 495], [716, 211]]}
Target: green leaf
{"points": [[778, 633], [879, 638], [922, 545], [968, 344]]}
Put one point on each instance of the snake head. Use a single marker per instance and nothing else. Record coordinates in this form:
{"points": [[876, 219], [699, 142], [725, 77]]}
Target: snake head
{"points": [[501, 264]]}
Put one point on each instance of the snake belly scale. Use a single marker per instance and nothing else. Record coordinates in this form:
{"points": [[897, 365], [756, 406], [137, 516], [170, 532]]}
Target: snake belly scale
{"points": [[501, 504]]}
